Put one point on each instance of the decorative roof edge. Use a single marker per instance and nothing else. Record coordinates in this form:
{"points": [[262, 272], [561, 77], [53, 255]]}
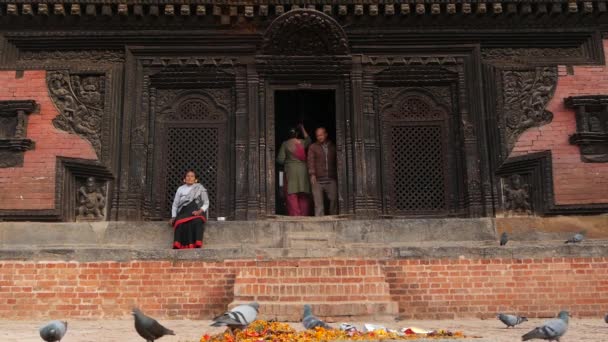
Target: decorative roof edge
{"points": [[265, 8]]}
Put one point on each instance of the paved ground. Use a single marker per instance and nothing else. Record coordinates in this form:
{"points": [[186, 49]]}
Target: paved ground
{"points": [[191, 331]]}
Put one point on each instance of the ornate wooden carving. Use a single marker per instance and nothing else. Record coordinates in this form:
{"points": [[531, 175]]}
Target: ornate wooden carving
{"points": [[13, 131], [501, 54], [103, 56], [591, 126], [525, 95], [414, 132], [305, 32], [79, 97]]}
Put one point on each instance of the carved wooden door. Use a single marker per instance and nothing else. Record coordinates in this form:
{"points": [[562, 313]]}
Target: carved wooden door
{"points": [[415, 170]]}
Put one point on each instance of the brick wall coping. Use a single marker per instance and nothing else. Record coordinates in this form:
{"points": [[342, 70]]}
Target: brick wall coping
{"points": [[521, 250]]}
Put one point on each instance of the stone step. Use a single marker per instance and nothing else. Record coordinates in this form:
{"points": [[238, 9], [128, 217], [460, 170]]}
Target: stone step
{"points": [[310, 240], [337, 290], [330, 312]]}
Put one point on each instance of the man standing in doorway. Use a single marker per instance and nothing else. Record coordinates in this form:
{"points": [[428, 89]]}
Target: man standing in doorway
{"points": [[322, 170]]}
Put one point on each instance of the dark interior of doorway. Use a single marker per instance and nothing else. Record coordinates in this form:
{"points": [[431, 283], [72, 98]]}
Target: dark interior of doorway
{"points": [[312, 108]]}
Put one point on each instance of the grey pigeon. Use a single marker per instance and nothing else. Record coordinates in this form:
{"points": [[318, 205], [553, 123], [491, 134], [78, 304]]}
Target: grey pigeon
{"points": [[53, 331], [148, 327], [504, 238], [511, 320], [238, 317], [576, 238], [551, 330], [310, 321]]}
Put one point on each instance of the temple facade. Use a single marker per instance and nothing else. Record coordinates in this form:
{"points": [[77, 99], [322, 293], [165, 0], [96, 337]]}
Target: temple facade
{"points": [[437, 108]]}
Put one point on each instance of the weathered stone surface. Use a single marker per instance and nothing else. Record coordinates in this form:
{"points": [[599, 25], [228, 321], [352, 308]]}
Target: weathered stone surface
{"points": [[275, 240]]}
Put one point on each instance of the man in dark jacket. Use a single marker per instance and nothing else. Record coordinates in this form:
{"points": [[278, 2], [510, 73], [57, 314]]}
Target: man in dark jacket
{"points": [[322, 171]]}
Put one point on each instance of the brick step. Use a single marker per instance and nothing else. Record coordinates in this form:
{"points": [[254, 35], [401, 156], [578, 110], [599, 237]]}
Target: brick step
{"points": [[336, 289], [328, 311]]}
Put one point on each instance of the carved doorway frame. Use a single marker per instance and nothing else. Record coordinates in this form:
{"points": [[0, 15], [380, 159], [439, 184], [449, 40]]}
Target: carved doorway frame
{"points": [[304, 49], [342, 120]]}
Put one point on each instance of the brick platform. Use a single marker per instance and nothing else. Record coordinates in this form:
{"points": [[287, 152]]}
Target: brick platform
{"points": [[440, 288], [428, 269]]}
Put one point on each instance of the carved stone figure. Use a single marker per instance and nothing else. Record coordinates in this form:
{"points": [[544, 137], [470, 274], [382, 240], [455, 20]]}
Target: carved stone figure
{"points": [[91, 200], [517, 198]]}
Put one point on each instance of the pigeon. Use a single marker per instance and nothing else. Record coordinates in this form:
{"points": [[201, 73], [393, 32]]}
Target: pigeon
{"points": [[53, 331], [148, 327], [511, 320], [310, 321], [576, 238], [504, 238], [238, 317], [551, 330]]}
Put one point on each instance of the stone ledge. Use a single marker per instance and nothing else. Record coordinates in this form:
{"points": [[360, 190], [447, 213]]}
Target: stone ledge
{"points": [[595, 248], [261, 234]]}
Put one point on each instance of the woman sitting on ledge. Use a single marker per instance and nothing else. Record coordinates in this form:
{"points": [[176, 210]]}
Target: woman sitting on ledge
{"points": [[187, 213]]}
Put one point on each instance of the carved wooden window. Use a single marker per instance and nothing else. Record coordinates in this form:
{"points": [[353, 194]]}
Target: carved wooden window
{"points": [[196, 149], [192, 126], [415, 156], [13, 131], [591, 126]]}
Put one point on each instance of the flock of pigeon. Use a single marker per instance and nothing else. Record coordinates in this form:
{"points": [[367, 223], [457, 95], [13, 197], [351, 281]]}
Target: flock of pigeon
{"points": [[241, 316]]}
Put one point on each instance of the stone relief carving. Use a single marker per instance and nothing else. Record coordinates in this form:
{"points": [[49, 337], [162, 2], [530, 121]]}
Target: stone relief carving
{"points": [[91, 200], [516, 196], [525, 94], [80, 101], [305, 32]]}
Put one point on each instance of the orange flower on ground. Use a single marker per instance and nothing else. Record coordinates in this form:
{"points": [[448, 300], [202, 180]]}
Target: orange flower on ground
{"points": [[263, 331]]}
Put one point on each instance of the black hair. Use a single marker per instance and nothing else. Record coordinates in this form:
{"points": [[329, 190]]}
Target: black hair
{"points": [[293, 133], [190, 170]]}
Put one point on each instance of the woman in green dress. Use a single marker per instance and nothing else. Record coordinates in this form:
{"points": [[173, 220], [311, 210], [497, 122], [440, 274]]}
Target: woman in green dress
{"points": [[292, 155]]}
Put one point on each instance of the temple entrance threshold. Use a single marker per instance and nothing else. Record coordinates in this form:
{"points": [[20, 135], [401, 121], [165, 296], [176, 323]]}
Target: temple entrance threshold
{"points": [[311, 108]]}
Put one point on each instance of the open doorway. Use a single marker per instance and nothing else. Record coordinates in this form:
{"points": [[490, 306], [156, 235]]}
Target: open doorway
{"points": [[313, 109]]}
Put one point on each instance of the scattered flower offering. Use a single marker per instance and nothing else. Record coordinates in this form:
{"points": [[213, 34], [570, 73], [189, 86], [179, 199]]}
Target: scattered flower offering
{"points": [[263, 331]]}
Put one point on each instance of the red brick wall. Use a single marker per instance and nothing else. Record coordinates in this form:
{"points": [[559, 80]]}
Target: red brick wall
{"points": [[33, 185], [574, 182], [423, 288], [483, 287]]}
